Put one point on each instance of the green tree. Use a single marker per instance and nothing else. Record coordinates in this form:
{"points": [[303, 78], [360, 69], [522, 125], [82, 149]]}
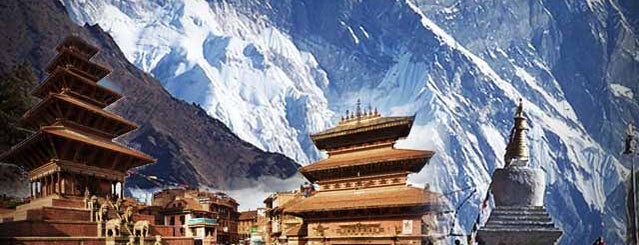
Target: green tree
{"points": [[15, 100]]}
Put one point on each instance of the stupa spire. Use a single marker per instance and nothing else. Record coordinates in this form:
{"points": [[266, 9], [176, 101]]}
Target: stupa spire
{"points": [[517, 148], [519, 216]]}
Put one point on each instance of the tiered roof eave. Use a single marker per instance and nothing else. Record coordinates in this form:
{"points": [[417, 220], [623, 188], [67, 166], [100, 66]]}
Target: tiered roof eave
{"points": [[373, 198], [46, 145], [64, 79], [365, 162], [76, 43], [361, 131], [79, 64], [56, 107]]}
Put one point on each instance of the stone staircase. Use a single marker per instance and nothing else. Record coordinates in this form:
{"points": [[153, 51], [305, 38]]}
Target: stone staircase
{"points": [[65, 220]]}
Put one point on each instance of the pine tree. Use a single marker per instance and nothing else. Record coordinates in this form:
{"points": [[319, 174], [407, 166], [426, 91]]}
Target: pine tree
{"points": [[15, 100]]}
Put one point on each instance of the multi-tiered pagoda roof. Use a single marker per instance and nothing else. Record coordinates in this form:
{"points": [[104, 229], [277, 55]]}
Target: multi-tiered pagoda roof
{"points": [[364, 170], [72, 149]]}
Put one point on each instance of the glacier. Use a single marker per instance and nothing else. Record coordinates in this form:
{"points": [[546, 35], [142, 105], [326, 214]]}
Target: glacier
{"points": [[276, 71]]}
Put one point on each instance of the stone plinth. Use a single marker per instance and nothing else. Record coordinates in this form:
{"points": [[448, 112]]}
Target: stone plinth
{"points": [[519, 216], [518, 186], [519, 225]]}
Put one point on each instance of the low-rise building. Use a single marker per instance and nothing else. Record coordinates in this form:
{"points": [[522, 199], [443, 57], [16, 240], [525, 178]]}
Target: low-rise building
{"points": [[279, 226], [246, 224], [251, 226], [198, 214]]}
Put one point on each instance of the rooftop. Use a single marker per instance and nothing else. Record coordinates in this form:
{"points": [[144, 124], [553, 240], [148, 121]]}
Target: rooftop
{"points": [[59, 106], [79, 64], [63, 78], [60, 135], [77, 44], [380, 197], [362, 131], [248, 215], [371, 155]]}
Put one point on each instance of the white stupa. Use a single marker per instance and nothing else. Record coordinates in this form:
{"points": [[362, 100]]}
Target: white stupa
{"points": [[519, 216]]}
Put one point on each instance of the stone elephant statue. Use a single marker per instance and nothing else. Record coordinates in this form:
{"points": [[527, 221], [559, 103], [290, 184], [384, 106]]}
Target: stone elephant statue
{"points": [[141, 228], [113, 227]]}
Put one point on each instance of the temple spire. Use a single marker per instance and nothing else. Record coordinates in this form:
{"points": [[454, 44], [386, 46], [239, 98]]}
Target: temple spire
{"points": [[517, 148]]}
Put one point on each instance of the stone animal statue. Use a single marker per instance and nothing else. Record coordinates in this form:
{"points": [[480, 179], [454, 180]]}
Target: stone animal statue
{"points": [[131, 241], [118, 204], [113, 227], [128, 215], [158, 240], [94, 206], [94, 203], [103, 213], [87, 199], [141, 228]]}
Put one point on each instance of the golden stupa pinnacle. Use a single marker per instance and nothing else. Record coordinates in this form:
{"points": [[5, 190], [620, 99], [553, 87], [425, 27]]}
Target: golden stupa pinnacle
{"points": [[517, 148]]}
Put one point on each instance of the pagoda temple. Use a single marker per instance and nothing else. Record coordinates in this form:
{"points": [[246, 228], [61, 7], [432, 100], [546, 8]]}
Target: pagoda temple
{"points": [[363, 196], [72, 151], [519, 216], [75, 169]]}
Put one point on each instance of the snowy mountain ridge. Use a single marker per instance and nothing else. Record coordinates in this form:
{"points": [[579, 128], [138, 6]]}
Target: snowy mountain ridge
{"points": [[194, 44], [276, 71]]}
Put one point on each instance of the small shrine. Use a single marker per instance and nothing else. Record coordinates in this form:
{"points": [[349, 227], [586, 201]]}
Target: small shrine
{"points": [[363, 195], [519, 216]]}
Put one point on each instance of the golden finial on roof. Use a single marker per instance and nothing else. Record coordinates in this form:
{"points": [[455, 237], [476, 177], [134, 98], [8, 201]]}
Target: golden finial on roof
{"points": [[517, 148], [520, 109], [360, 113]]}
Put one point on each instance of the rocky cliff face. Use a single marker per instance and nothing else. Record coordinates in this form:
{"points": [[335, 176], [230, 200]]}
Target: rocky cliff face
{"points": [[460, 67], [191, 147]]}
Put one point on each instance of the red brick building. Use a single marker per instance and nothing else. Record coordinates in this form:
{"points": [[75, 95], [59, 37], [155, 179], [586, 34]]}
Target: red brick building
{"points": [[198, 214]]}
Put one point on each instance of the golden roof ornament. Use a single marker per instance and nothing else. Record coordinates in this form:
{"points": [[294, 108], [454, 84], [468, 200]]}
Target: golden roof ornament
{"points": [[359, 113], [517, 149]]}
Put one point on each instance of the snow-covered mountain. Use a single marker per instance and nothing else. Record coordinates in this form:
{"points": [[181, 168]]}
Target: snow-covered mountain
{"points": [[275, 71], [242, 71]]}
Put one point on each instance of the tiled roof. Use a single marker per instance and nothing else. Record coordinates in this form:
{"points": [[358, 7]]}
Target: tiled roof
{"points": [[34, 114], [70, 133], [350, 127], [248, 215], [75, 81], [368, 156], [77, 135], [378, 197]]}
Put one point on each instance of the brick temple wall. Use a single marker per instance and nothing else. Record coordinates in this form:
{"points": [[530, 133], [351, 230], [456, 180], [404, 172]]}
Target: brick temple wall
{"points": [[88, 241], [55, 241], [54, 213], [30, 228]]}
